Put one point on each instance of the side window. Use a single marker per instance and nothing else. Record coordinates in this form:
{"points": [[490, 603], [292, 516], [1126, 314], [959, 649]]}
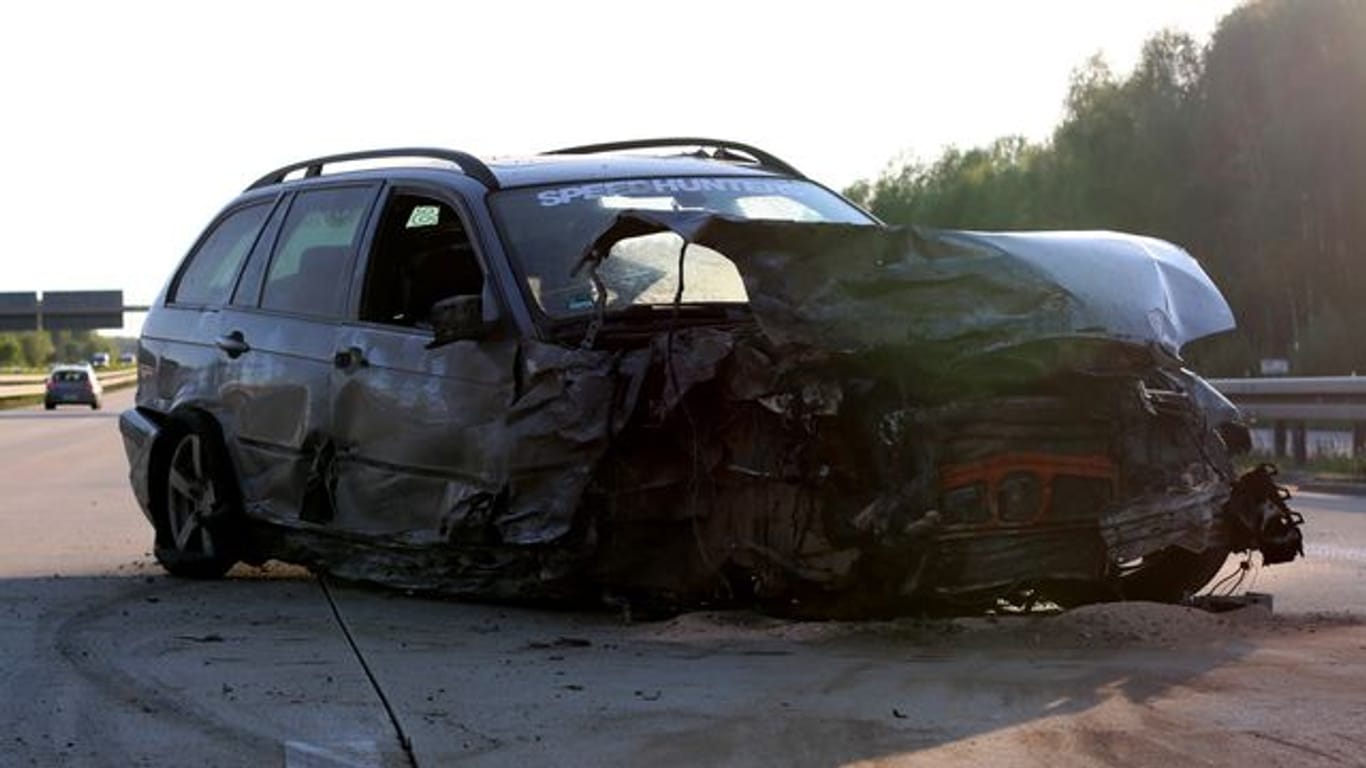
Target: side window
{"points": [[248, 290], [422, 255], [309, 271], [209, 275]]}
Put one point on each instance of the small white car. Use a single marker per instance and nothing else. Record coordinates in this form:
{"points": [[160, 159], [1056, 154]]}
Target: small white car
{"points": [[72, 385]]}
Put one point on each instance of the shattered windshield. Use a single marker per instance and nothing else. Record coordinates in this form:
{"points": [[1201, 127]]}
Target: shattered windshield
{"points": [[549, 228]]}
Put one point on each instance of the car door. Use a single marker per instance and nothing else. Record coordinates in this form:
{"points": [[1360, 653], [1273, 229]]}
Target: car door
{"points": [[277, 342], [416, 425]]}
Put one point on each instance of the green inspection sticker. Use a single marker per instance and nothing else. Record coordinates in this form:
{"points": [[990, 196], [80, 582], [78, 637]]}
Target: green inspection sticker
{"points": [[424, 216]]}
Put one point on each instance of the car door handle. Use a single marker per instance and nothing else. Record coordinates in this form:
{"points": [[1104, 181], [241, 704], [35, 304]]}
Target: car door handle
{"points": [[351, 357], [234, 344]]}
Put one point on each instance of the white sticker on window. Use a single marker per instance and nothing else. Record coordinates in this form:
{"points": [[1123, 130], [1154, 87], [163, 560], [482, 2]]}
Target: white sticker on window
{"points": [[654, 187], [424, 216]]}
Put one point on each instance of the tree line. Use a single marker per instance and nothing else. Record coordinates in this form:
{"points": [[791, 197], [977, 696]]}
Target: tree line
{"points": [[1250, 152], [37, 349]]}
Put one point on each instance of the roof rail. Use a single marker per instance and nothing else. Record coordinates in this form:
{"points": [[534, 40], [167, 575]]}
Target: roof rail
{"points": [[471, 165], [723, 151]]}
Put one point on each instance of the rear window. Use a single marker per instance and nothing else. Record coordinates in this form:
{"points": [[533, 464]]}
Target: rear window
{"points": [[209, 275], [68, 377]]}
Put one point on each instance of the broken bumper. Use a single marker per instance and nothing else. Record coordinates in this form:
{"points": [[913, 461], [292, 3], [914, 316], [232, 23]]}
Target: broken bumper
{"points": [[139, 435]]}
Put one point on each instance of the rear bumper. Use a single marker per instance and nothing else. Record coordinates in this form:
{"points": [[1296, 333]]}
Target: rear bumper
{"points": [[139, 435], [71, 398]]}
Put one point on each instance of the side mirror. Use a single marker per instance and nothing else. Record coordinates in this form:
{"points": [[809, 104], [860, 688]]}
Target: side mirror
{"points": [[458, 318]]}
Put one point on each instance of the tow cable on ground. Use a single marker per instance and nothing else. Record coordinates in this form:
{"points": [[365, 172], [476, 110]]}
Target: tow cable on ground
{"points": [[403, 741]]}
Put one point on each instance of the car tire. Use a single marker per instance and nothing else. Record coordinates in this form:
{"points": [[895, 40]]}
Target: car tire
{"points": [[95, 406], [49, 406], [199, 517]]}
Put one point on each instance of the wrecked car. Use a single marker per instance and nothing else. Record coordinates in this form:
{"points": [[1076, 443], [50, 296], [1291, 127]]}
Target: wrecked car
{"points": [[678, 372]]}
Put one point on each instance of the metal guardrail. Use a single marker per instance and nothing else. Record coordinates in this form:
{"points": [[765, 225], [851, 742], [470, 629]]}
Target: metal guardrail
{"points": [[1290, 404], [30, 385], [1319, 398]]}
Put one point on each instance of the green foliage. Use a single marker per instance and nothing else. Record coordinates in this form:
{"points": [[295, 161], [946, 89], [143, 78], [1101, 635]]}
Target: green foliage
{"points": [[77, 346], [1282, 123], [1251, 153], [1328, 344], [37, 349], [980, 188], [11, 354]]}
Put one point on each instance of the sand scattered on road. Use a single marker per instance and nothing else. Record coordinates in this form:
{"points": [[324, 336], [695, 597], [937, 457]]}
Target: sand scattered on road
{"points": [[1110, 625], [722, 626]]}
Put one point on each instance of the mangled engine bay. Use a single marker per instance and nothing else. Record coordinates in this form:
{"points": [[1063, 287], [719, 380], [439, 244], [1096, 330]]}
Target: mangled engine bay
{"points": [[902, 418]]}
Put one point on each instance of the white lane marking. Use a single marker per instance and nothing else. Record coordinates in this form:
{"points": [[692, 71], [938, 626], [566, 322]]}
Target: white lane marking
{"points": [[1336, 552], [346, 754]]}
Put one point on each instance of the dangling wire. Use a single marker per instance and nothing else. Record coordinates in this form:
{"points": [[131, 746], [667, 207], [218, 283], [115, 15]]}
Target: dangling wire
{"points": [[1236, 577]]}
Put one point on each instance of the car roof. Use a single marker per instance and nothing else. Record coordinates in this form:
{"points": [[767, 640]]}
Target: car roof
{"points": [[553, 169], [515, 172], [620, 160]]}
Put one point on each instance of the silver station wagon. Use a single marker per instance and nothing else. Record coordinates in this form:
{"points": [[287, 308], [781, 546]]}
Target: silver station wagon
{"points": [[674, 373]]}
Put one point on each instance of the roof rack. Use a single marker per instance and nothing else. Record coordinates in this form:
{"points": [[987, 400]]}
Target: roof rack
{"points": [[723, 151], [471, 165]]}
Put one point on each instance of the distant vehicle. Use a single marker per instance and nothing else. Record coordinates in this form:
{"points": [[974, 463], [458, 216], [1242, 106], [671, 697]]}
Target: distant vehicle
{"points": [[493, 379], [127, 358], [73, 385], [99, 360]]}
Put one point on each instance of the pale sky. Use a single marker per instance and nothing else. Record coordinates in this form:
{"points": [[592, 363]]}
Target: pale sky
{"points": [[127, 125]]}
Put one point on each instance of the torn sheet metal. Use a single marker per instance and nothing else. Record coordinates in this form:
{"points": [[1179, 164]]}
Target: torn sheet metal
{"points": [[502, 453], [849, 288]]}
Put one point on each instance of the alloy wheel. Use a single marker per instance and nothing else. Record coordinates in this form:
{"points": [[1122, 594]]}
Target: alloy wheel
{"points": [[192, 499]]}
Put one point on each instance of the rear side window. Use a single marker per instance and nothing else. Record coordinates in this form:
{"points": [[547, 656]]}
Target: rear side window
{"points": [[208, 277], [310, 270]]}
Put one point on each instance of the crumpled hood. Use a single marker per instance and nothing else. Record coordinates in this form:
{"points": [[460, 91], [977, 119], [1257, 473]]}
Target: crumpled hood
{"points": [[1129, 287], [850, 288]]}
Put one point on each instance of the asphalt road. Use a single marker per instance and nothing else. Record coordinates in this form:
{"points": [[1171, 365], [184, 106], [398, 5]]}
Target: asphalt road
{"points": [[104, 661]]}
